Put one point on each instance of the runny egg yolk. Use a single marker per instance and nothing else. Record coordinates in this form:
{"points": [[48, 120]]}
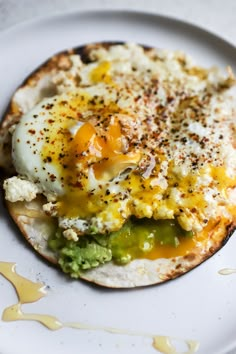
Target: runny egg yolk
{"points": [[96, 146], [108, 148]]}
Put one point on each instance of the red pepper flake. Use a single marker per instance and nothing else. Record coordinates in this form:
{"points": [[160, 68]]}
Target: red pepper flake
{"points": [[47, 159], [78, 185], [52, 177], [63, 102], [49, 105]]}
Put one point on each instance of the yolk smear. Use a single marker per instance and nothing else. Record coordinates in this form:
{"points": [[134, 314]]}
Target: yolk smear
{"points": [[165, 251], [76, 202], [101, 73], [214, 230], [218, 174]]}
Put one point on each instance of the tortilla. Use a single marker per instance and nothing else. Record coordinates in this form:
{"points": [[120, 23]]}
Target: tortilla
{"points": [[37, 227]]}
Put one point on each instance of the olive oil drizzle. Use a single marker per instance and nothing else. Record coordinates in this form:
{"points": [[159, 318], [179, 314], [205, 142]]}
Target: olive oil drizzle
{"points": [[163, 345], [227, 271], [14, 313], [29, 291]]}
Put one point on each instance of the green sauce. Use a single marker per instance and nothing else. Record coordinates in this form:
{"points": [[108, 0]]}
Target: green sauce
{"points": [[139, 237], [136, 239]]}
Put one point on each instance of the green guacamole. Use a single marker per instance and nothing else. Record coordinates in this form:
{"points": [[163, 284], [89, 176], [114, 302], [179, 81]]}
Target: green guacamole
{"points": [[134, 240]]}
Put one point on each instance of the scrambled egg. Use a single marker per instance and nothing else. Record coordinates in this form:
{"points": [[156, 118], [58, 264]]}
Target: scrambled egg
{"points": [[135, 132]]}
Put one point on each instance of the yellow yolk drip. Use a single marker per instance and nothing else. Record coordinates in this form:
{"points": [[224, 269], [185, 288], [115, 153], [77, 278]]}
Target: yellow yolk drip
{"points": [[138, 244], [186, 244], [167, 251]]}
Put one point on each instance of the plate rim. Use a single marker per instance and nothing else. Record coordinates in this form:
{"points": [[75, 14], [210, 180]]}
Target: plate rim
{"points": [[127, 11]]}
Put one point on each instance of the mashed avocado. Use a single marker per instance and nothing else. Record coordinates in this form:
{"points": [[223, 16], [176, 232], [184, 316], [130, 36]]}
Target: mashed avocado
{"points": [[136, 239], [76, 256]]}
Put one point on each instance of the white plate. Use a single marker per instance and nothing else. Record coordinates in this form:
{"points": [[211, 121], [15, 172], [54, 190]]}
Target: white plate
{"points": [[200, 305]]}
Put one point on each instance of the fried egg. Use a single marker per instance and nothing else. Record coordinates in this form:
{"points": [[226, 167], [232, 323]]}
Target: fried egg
{"points": [[133, 133]]}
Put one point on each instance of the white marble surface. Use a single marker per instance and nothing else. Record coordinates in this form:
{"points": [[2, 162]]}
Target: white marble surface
{"points": [[215, 15], [218, 16]]}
